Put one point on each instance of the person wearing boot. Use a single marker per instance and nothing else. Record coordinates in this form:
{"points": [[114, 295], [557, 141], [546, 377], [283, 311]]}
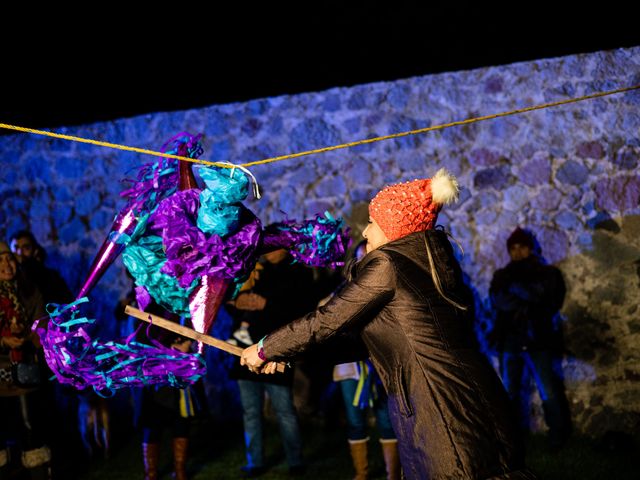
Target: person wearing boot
{"points": [[407, 301], [160, 407], [279, 295], [21, 406], [361, 388]]}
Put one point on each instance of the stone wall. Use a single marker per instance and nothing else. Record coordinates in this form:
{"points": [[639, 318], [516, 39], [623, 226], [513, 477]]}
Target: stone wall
{"points": [[568, 173]]}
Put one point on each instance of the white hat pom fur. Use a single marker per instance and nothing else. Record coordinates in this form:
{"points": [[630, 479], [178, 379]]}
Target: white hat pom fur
{"points": [[444, 187]]}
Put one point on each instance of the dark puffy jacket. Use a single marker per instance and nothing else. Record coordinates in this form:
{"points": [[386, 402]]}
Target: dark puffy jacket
{"points": [[447, 405]]}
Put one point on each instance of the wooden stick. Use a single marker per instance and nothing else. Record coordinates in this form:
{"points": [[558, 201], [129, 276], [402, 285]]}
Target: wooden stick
{"points": [[189, 333]]}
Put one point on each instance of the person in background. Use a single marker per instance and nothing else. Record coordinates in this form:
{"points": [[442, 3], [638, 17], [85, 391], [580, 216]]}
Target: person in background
{"points": [[527, 295], [60, 398], [32, 257], [280, 293], [243, 317], [360, 387], [22, 410], [163, 407]]}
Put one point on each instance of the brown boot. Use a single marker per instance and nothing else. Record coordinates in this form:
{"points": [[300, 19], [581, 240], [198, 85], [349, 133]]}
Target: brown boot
{"points": [[150, 452], [180, 446], [4, 463], [359, 456], [391, 459], [37, 461]]}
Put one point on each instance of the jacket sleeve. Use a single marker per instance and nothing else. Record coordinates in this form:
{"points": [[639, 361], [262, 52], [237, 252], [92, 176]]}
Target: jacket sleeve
{"points": [[352, 307]]}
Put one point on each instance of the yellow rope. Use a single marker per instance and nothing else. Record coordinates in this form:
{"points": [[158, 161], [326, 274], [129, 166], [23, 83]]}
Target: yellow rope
{"points": [[440, 127], [325, 149], [109, 145]]}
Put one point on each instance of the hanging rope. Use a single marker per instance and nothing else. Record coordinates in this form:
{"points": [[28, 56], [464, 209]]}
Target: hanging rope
{"points": [[325, 149]]}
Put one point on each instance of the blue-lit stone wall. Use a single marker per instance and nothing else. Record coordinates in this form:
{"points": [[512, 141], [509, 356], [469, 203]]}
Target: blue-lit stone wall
{"points": [[569, 173]]}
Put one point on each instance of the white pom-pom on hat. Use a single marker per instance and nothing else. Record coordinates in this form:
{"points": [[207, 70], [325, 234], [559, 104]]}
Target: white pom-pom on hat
{"points": [[444, 187]]}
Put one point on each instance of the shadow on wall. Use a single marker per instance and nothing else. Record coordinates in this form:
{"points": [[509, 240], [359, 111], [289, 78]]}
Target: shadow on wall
{"points": [[602, 327]]}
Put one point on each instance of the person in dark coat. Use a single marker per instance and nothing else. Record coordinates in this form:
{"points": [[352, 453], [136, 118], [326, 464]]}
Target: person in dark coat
{"points": [[278, 293], [447, 406], [526, 295]]}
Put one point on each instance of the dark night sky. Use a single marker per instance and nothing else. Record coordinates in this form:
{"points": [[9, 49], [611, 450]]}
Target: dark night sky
{"points": [[180, 58]]}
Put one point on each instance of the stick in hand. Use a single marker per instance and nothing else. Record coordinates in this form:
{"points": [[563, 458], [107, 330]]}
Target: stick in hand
{"points": [[189, 333]]}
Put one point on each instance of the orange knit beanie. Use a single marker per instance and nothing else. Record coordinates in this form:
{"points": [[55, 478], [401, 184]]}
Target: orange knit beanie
{"points": [[413, 206]]}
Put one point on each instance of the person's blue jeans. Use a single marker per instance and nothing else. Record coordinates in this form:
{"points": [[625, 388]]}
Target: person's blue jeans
{"points": [[538, 364], [357, 417], [252, 398]]}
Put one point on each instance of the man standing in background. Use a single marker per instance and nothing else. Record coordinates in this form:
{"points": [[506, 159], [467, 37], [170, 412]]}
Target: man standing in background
{"points": [[527, 295]]}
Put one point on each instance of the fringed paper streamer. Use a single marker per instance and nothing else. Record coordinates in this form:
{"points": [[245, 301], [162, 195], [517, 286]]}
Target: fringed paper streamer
{"points": [[80, 361], [321, 242], [157, 180]]}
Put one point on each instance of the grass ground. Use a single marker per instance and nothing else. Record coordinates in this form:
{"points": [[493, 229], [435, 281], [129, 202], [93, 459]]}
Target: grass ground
{"points": [[217, 453]]}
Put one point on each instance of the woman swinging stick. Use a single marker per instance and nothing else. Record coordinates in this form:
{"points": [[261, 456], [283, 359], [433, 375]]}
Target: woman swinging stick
{"points": [[447, 405]]}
